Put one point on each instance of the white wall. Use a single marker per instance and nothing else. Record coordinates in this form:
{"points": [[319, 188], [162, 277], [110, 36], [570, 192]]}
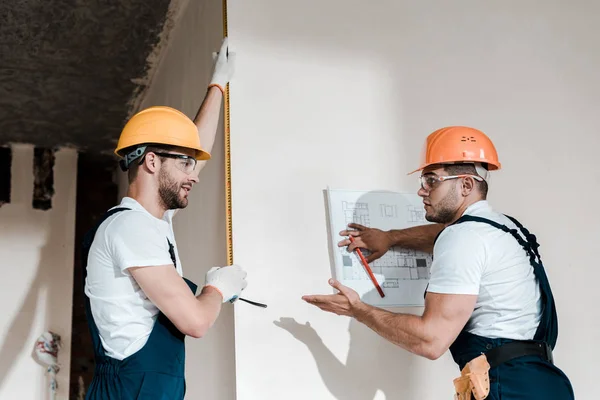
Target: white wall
{"points": [[181, 81], [343, 93], [36, 249]]}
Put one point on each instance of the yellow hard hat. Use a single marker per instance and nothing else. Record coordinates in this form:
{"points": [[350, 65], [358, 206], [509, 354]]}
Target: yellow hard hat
{"points": [[161, 125]]}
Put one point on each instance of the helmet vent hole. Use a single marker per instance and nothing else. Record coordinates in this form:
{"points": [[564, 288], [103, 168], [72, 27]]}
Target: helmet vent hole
{"points": [[468, 139]]}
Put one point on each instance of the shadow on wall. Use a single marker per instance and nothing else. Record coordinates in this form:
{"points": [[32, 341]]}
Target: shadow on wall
{"points": [[362, 376], [33, 244], [42, 290]]}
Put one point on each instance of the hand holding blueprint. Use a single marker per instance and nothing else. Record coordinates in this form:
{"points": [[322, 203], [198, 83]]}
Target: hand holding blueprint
{"points": [[403, 274]]}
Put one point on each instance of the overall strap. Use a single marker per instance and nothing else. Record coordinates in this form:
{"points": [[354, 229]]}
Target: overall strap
{"points": [[547, 330], [437, 236], [531, 239], [172, 253], [525, 244], [88, 239]]}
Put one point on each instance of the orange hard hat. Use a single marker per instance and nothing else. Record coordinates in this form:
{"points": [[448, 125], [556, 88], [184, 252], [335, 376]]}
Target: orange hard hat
{"points": [[457, 145], [161, 125]]}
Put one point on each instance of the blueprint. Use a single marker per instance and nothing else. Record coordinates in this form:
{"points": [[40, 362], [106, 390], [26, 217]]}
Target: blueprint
{"points": [[402, 273]]}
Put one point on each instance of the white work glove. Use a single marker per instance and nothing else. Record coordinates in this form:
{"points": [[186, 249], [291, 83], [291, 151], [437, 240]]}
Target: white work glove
{"points": [[224, 67], [229, 281]]}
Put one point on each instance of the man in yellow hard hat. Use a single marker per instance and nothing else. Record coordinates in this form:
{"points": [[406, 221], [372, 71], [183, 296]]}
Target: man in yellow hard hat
{"points": [[139, 307], [488, 299]]}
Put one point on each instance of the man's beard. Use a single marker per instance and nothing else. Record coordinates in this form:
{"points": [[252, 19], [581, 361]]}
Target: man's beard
{"points": [[168, 190], [445, 211]]}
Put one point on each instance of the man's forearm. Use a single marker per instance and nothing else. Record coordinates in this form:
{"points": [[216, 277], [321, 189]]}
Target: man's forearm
{"points": [[404, 330], [207, 118], [209, 306], [417, 238]]}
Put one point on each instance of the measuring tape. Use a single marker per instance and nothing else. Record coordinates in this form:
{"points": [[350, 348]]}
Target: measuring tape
{"points": [[227, 132], [229, 227]]}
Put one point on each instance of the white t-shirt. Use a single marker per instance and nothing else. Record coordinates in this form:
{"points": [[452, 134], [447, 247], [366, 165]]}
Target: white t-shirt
{"points": [[122, 312], [477, 258]]}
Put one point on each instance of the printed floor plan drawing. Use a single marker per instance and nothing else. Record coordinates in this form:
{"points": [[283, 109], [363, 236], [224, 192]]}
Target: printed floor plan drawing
{"points": [[388, 210], [416, 214], [402, 273], [356, 212]]}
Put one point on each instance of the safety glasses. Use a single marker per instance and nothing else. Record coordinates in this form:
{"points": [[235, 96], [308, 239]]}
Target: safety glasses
{"points": [[183, 162], [430, 181]]}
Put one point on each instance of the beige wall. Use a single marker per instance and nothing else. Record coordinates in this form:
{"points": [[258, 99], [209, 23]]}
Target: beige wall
{"points": [[181, 81], [343, 93], [36, 249]]}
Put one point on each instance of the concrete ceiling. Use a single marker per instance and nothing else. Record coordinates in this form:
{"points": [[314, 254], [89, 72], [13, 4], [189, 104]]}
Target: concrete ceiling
{"points": [[71, 70]]}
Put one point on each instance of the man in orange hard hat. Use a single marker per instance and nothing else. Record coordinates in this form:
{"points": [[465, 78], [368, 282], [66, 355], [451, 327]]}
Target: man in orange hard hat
{"points": [[488, 299], [139, 307]]}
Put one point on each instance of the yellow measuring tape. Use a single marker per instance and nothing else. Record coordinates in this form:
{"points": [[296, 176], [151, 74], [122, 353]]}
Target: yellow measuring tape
{"points": [[229, 226], [227, 132]]}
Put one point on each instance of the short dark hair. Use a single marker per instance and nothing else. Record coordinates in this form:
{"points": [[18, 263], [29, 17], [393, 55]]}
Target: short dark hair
{"points": [[469, 169], [134, 167]]}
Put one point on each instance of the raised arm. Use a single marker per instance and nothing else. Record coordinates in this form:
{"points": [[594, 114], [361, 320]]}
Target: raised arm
{"points": [[207, 118], [378, 242]]}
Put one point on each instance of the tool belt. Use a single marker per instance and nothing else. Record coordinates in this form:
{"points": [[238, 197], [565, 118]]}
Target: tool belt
{"points": [[474, 378]]}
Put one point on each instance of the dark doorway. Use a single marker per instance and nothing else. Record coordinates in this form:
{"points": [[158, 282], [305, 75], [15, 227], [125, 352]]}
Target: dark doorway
{"points": [[97, 191]]}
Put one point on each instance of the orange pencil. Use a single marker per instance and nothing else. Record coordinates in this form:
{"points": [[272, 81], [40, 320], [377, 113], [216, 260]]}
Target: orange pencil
{"points": [[368, 269]]}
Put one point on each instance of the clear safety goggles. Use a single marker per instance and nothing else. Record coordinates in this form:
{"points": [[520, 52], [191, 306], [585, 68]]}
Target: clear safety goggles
{"points": [[430, 181], [183, 162]]}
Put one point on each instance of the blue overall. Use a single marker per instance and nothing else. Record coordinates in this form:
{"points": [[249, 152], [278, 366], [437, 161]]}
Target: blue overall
{"points": [[530, 377], [155, 372]]}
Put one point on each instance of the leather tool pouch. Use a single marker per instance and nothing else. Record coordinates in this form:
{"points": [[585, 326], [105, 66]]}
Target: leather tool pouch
{"points": [[474, 380]]}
